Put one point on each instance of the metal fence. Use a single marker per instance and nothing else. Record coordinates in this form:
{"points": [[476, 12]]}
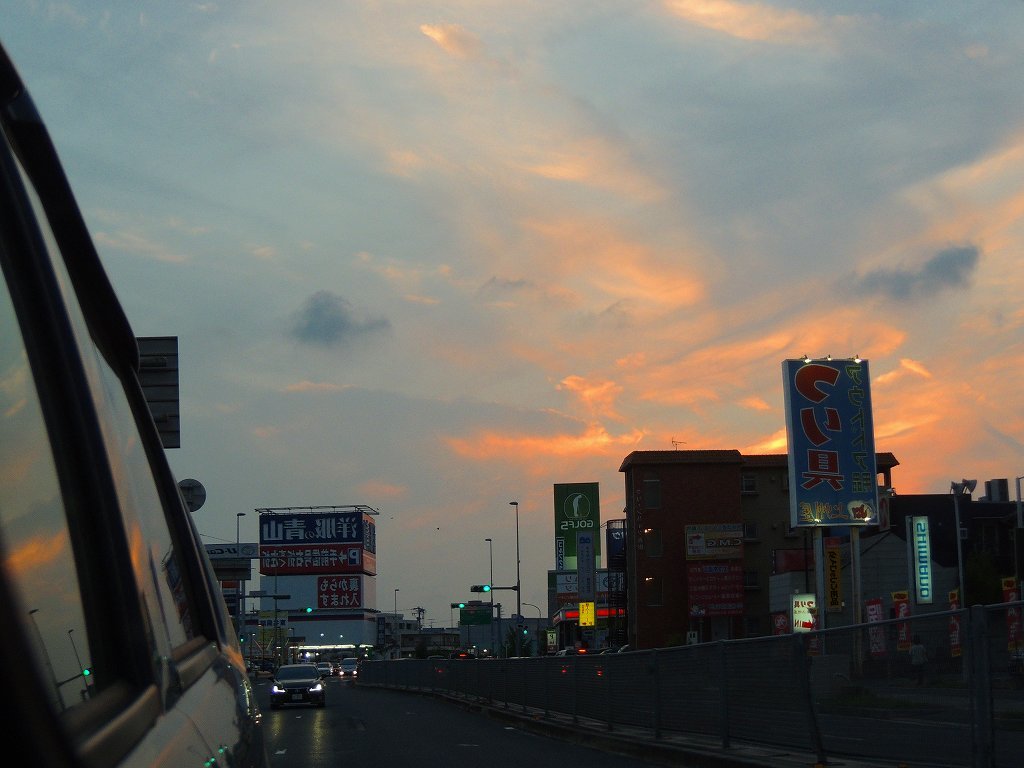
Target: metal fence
{"points": [[848, 691]]}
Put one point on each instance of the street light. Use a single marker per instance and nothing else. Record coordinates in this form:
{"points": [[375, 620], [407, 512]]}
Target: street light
{"points": [[398, 631], [85, 677], [519, 596], [240, 604], [963, 488], [490, 549]]}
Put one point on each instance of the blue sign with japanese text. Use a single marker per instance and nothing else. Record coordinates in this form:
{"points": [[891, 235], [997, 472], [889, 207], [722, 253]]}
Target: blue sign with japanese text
{"points": [[832, 470]]}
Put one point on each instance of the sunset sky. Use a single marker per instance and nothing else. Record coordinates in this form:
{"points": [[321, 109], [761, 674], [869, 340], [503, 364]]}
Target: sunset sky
{"points": [[434, 257]]}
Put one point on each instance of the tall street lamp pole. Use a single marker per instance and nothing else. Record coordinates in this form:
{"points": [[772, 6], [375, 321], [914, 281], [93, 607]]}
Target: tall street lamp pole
{"points": [[964, 487], [240, 604], [398, 631], [490, 549], [519, 591]]}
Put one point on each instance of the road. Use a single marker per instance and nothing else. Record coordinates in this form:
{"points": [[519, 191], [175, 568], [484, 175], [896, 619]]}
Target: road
{"points": [[374, 728]]}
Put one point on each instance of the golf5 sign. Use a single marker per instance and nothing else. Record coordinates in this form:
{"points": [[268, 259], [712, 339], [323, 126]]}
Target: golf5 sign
{"points": [[577, 510]]}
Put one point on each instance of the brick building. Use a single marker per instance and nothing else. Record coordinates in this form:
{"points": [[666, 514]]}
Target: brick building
{"points": [[706, 530]]}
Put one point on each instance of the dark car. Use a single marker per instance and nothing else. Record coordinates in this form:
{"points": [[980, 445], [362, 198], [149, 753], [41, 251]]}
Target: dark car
{"points": [[349, 667], [298, 684], [117, 648]]}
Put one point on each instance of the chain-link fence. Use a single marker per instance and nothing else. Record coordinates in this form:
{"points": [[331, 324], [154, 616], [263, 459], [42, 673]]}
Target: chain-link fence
{"points": [[850, 691]]}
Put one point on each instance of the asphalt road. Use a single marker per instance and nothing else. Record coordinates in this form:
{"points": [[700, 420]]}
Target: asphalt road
{"points": [[374, 728]]}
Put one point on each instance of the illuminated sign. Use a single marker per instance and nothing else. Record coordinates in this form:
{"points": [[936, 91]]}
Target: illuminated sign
{"points": [[832, 470], [805, 613], [577, 508], [587, 611], [922, 549]]}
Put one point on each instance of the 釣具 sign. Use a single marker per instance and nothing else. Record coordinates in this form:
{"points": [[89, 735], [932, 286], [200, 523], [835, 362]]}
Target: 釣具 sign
{"points": [[832, 469]]}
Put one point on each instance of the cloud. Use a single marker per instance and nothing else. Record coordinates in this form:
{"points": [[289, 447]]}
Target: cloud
{"points": [[747, 21], [598, 397], [315, 386], [948, 269], [453, 39], [328, 320]]}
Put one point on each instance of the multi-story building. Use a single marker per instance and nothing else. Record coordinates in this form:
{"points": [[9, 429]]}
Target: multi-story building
{"points": [[705, 532]]}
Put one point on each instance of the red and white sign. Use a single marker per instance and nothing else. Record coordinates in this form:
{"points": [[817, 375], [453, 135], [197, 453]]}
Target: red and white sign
{"points": [[955, 649], [287, 559], [715, 588], [901, 607]]}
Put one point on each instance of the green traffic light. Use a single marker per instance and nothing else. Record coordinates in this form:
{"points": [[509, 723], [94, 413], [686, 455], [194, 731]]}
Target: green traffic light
{"points": [[309, 609], [462, 605], [86, 672], [487, 587]]}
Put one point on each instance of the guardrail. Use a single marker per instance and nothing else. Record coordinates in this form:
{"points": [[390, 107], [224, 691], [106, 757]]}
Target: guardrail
{"points": [[849, 691]]}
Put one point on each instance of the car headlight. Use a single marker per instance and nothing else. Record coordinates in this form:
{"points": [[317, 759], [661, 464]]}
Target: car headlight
{"points": [[317, 688], [275, 688]]}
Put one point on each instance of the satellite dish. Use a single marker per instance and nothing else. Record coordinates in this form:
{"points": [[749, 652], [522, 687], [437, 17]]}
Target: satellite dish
{"points": [[194, 494]]}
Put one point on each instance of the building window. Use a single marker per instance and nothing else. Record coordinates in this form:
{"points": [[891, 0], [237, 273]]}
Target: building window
{"points": [[751, 579], [750, 531], [653, 546], [748, 483], [652, 591], [652, 494]]}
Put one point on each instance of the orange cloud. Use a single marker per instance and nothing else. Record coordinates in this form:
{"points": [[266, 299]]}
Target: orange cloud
{"points": [[453, 39], [598, 397], [379, 489], [315, 386], [492, 445], [748, 21], [36, 552], [592, 253]]}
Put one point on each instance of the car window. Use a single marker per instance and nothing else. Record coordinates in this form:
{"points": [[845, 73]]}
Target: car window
{"points": [[154, 556], [34, 535], [297, 673]]}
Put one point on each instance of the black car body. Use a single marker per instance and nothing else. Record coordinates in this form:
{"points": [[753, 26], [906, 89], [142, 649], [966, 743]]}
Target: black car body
{"points": [[298, 684], [117, 648]]}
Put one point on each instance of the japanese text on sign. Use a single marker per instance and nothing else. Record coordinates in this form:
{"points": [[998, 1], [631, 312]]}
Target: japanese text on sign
{"points": [[831, 443]]}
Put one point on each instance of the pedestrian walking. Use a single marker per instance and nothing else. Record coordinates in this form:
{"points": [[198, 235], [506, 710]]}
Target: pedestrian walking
{"points": [[918, 659]]}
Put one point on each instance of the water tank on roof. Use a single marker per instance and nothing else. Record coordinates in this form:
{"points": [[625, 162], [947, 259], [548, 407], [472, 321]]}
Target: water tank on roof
{"points": [[997, 490]]}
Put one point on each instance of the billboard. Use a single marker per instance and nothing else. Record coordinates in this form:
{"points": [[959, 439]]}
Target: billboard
{"points": [[832, 471], [714, 588], [714, 541], [577, 509], [565, 586], [317, 542], [339, 592]]}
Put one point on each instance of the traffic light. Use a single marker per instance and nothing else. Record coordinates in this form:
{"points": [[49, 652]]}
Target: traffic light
{"points": [[309, 609], [480, 588], [458, 605], [86, 672]]}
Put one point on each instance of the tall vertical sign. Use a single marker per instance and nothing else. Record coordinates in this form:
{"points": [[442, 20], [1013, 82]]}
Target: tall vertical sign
{"points": [[832, 472], [922, 559], [577, 510]]}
